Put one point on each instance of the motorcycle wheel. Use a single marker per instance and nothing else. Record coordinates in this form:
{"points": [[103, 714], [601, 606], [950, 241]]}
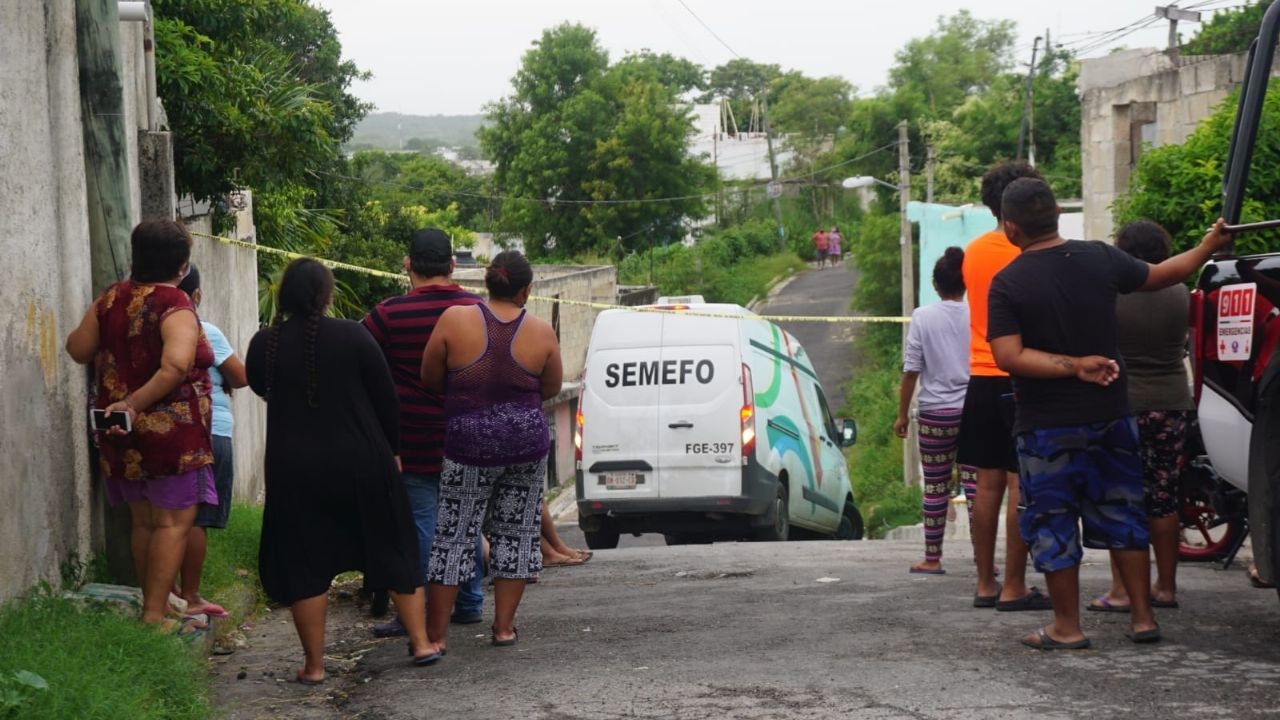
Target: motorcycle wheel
{"points": [[1205, 536]]}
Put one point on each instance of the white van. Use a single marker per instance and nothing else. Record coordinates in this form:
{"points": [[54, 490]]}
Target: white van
{"points": [[706, 422]]}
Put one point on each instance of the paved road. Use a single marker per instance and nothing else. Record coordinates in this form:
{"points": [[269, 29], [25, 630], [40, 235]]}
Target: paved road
{"points": [[750, 630], [821, 293]]}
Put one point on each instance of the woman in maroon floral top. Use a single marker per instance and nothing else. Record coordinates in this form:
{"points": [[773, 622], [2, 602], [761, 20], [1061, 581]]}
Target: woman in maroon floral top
{"points": [[151, 361]]}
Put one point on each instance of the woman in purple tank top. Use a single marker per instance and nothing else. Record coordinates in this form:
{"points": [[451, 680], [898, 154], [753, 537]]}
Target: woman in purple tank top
{"points": [[495, 365]]}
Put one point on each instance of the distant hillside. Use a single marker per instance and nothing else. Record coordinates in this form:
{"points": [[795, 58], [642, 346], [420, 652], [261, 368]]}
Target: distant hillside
{"points": [[388, 131]]}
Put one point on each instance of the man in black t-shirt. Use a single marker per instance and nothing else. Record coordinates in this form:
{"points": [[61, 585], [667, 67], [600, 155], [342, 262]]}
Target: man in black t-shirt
{"points": [[1052, 327]]}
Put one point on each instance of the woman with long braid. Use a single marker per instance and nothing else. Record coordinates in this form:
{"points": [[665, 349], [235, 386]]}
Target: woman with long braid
{"points": [[334, 499]]}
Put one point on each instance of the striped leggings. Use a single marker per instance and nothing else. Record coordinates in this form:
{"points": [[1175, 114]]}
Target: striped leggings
{"points": [[939, 438]]}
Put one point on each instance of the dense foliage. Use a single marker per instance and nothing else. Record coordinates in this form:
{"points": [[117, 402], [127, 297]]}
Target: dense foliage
{"points": [[1229, 30], [1180, 186], [588, 155]]}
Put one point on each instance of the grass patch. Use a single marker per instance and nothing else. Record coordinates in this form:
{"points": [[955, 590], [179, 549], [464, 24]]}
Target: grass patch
{"points": [[231, 565], [875, 462], [96, 663]]}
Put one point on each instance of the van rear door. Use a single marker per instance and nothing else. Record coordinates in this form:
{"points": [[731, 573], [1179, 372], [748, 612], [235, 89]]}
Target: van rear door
{"points": [[619, 415], [699, 381]]}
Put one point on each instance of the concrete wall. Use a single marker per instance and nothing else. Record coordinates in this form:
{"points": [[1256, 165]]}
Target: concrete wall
{"points": [[46, 506], [1135, 97], [229, 286]]}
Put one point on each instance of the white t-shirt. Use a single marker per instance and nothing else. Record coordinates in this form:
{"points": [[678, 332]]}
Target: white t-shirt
{"points": [[938, 349]]}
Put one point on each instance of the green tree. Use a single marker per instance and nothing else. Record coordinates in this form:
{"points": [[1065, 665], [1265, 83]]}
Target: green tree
{"points": [[1180, 186], [587, 153], [740, 81], [1229, 30], [676, 73], [810, 107], [962, 57], [256, 91]]}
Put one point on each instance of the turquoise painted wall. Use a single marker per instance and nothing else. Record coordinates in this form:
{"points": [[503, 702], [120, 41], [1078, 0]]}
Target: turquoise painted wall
{"points": [[942, 226]]}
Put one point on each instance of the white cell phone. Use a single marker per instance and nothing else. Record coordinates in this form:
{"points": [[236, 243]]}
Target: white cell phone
{"points": [[102, 421]]}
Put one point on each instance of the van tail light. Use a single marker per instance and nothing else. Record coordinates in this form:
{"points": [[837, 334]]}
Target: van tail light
{"points": [[1197, 343], [748, 414], [577, 435]]}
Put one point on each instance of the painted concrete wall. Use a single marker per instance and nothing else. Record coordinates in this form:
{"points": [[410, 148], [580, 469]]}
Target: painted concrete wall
{"points": [[45, 488], [229, 286], [1135, 97]]}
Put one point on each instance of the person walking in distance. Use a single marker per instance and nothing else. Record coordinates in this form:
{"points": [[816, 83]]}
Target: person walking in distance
{"points": [[1053, 327], [495, 365], [936, 356], [402, 326], [835, 247], [227, 374], [821, 246], [986, 427]]}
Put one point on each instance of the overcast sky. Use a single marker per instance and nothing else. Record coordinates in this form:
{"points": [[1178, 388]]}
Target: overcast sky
{"points": [[452, 56]]}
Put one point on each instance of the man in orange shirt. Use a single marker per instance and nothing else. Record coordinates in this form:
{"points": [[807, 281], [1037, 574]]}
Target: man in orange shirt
{"points": [[986, 426]]}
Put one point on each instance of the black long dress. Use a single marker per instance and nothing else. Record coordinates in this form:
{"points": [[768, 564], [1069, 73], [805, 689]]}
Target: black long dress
{"points": [[334, 498]]}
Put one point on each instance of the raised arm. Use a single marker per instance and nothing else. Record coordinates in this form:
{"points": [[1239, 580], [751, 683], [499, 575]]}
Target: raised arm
{"points": [[1181, 266]]}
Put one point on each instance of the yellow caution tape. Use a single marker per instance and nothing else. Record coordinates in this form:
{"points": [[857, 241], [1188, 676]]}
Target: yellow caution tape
{"points": [[402, 279]]}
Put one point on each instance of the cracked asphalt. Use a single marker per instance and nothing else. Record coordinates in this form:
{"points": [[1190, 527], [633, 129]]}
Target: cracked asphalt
{"points": [[804, 630]]}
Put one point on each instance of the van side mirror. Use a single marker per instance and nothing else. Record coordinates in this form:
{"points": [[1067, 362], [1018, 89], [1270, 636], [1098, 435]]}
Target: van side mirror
{"points": [[848, 432]]}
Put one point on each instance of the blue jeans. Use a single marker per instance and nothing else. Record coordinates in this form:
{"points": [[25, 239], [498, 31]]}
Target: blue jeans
{"points": [[424, 500]]}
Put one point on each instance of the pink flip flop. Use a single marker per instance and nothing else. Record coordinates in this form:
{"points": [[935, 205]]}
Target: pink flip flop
{"points": [[215, 610]]}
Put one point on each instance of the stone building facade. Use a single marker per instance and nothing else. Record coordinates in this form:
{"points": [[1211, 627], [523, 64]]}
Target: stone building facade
{"points": [[1138, 98]]}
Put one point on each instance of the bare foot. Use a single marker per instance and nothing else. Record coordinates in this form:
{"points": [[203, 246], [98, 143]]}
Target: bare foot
{"points": [[928, 567]]}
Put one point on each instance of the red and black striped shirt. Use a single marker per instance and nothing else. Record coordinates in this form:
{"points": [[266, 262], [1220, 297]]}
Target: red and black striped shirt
{"points": [[401, 326]]}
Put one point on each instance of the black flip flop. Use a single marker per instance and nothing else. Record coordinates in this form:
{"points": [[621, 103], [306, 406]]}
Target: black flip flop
{"points": [[1164, 604], [987, 601], [1048, 643], [1033, 600], [308, 681], [515, 638], [1143, 637]]}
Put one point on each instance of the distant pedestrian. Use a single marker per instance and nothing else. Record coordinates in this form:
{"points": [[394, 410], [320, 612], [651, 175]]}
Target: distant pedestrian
{"points": [[834, 248], [821, 247], [937, 357], [402, 326], [151, 362], [334, 501], [1152, 329], [1053, 328], [495, 365], [227, 374]]}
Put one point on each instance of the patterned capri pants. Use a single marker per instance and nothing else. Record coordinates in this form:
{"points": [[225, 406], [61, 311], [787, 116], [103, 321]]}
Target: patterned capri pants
{"points": [[505, 502]]}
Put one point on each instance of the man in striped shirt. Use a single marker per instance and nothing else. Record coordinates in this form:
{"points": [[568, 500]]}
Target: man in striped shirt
{"points": [[401, 326]]}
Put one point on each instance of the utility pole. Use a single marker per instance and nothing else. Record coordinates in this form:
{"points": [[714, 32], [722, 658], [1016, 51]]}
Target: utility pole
{"points": [[774, 190], [1026, 105], [1173, 15], [928, 178], [904, 197]]}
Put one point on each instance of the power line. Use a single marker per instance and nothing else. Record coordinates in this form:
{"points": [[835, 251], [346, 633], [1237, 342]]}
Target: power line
{"points": [[708, 29]]}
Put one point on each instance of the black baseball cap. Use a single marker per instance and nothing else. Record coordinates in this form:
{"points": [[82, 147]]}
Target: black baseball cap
{"points": [[430, 245]]}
